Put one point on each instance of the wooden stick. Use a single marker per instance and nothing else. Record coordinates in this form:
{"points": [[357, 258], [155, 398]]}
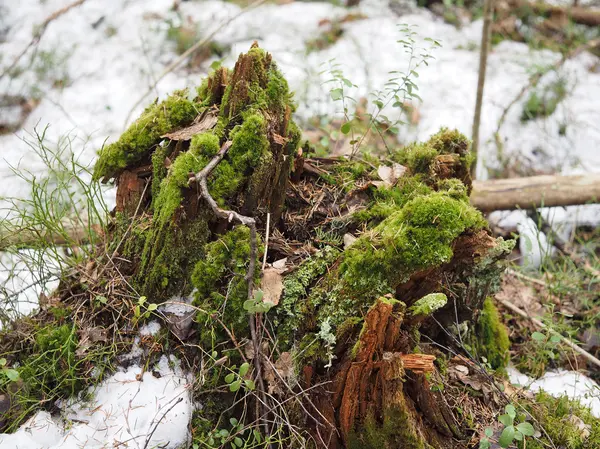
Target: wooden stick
{"points": [[541, 325], [488, 10], [535, 191], [578, 14]]}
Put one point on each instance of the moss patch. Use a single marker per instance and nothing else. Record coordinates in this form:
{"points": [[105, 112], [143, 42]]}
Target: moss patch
{"points": [[138, 141], [562, 420], [418, 236], [491, 337], [428, 304], [396, 430]]}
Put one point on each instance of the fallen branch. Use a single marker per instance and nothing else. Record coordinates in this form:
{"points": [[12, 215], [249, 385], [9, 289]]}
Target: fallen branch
{"points": [[578, 14], [39, 33], [541, 325], [535, 191]]}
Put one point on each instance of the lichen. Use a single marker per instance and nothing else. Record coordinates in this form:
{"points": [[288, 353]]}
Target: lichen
{"points": [[428, 304], [292, 308], [491, 337], [137, 142]]}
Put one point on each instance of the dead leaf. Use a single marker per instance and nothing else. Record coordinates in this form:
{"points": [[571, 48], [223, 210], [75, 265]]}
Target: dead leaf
{"points": [[272, 285], [390, 175], [207, 121], [87, 337], [349, 240], [280, 264]]}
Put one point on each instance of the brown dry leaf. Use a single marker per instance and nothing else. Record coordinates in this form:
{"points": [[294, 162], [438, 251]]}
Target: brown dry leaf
{"points": [[89, 336], [272, 285], [206, 121], [390, 175], [283, 370]]}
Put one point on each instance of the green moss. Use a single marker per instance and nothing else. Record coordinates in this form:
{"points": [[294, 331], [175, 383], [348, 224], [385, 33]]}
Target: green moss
{"points": [[170, 196], [159, 170], [52, 366], [428, 304], [560, 419], [491, 337], [219, 277], [449, 141], [396, 430], [418, 157], [418, 236], [249, 143], [137, 142], [389, 200]]}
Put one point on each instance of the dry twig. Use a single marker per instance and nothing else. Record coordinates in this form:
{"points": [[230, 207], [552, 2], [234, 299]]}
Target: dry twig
{"points": [[509, 305], [202, 179]]}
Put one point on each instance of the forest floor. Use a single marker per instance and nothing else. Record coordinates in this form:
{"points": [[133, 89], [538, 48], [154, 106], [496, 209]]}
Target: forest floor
{"points": [[96, 61]]}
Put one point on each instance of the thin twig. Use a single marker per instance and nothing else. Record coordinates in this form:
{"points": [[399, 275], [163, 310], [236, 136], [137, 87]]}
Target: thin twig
{"points": [[202, 179], [39, 33], [266, 242], [538, 323], [149, 437], [198, 45]]}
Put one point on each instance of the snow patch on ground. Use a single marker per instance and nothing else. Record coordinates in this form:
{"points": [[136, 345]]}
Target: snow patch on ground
{"points": [[562, 383], [131, 409]]}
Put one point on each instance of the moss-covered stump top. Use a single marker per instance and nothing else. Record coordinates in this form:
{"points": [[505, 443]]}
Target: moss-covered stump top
{"points": [[249, 108]]}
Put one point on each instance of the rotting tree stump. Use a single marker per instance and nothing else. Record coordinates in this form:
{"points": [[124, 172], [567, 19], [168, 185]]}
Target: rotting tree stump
{"points": [[372, 261]]}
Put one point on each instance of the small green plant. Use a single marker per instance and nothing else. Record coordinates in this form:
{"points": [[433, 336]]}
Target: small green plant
{"points": [[59, 201], [142, 310], [10, 374], [511, 432], [398, 92], [237, 436], [236, 380], [257, 304]]}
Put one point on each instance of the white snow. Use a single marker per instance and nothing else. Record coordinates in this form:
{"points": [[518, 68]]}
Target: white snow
{"points": [[562, 383], [130, 409]]}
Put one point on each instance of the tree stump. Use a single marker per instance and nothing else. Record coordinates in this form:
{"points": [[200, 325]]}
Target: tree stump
{"points": [[343, 327]]}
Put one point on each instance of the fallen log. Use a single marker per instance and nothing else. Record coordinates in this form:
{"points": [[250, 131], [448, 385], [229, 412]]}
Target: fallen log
{"points": [[535, 191], [578, 14]]}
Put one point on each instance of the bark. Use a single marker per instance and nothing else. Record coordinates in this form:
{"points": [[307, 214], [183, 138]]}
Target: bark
{"points": [[535, 191]]}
